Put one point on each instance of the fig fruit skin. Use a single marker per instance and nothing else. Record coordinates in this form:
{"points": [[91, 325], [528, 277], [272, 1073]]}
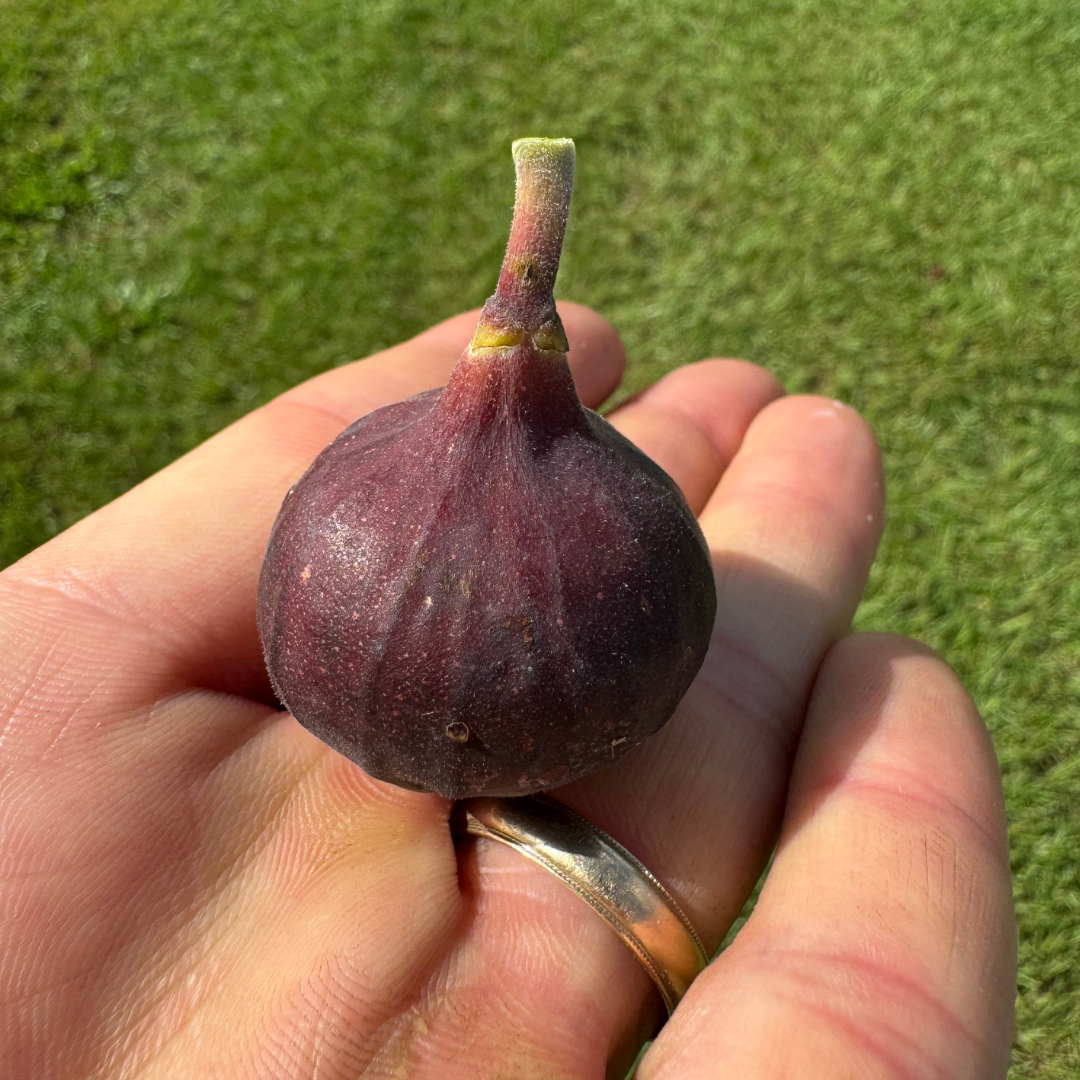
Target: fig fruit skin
{"points": [[486, 589], [465, 604]]}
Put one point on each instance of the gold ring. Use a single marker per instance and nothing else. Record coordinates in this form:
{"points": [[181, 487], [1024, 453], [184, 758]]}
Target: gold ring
{"points": [[604, 874]]}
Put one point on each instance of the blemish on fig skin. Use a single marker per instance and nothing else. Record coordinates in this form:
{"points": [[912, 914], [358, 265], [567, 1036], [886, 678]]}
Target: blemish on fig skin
{"points": [[458, 731]]}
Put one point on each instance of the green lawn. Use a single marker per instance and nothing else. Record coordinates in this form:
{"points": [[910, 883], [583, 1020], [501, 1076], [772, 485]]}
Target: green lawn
{"points": [[202, 203]]}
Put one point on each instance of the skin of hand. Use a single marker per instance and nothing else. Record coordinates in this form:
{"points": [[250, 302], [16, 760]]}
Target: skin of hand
{"points": [[193, 885]]}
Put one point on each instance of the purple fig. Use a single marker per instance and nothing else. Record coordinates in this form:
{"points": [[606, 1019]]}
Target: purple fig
{"points": [[486, 589]]}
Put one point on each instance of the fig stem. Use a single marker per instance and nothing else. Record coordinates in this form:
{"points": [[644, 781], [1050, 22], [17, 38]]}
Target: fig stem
{"points": [[523, 305], [545, 176]]}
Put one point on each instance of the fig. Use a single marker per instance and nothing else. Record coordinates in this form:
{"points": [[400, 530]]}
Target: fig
{"points": [[486, 589]]}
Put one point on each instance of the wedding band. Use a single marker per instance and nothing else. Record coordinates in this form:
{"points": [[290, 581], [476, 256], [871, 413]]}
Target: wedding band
{"points": [[604, 874]]}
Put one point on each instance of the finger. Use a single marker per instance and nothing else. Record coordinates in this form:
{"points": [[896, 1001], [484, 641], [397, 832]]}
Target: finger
{"points": [[883, 944], [165, 578], [792, 526], [692, 422]]}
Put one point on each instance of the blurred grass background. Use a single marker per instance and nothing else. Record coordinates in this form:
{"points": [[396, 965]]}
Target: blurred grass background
{"points": [[202, 203]]}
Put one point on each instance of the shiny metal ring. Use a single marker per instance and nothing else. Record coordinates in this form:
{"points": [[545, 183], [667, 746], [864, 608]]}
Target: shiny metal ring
{"points": [[604, 874]]}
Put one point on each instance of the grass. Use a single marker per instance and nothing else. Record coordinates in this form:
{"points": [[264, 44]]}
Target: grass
{"points": [[201, 204]]}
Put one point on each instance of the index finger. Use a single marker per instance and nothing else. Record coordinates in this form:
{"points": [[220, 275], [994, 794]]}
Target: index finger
{"points": [[163, 581]]}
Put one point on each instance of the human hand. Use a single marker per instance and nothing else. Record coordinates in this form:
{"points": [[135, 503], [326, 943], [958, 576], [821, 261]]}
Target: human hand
{"points": [[192, 885]]}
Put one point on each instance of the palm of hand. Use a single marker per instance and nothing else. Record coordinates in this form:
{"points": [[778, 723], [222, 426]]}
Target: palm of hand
{"points": [[190, 884]]}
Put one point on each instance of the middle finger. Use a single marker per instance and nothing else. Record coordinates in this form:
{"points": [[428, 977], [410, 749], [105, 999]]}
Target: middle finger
{"points": [[792, 527]]}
